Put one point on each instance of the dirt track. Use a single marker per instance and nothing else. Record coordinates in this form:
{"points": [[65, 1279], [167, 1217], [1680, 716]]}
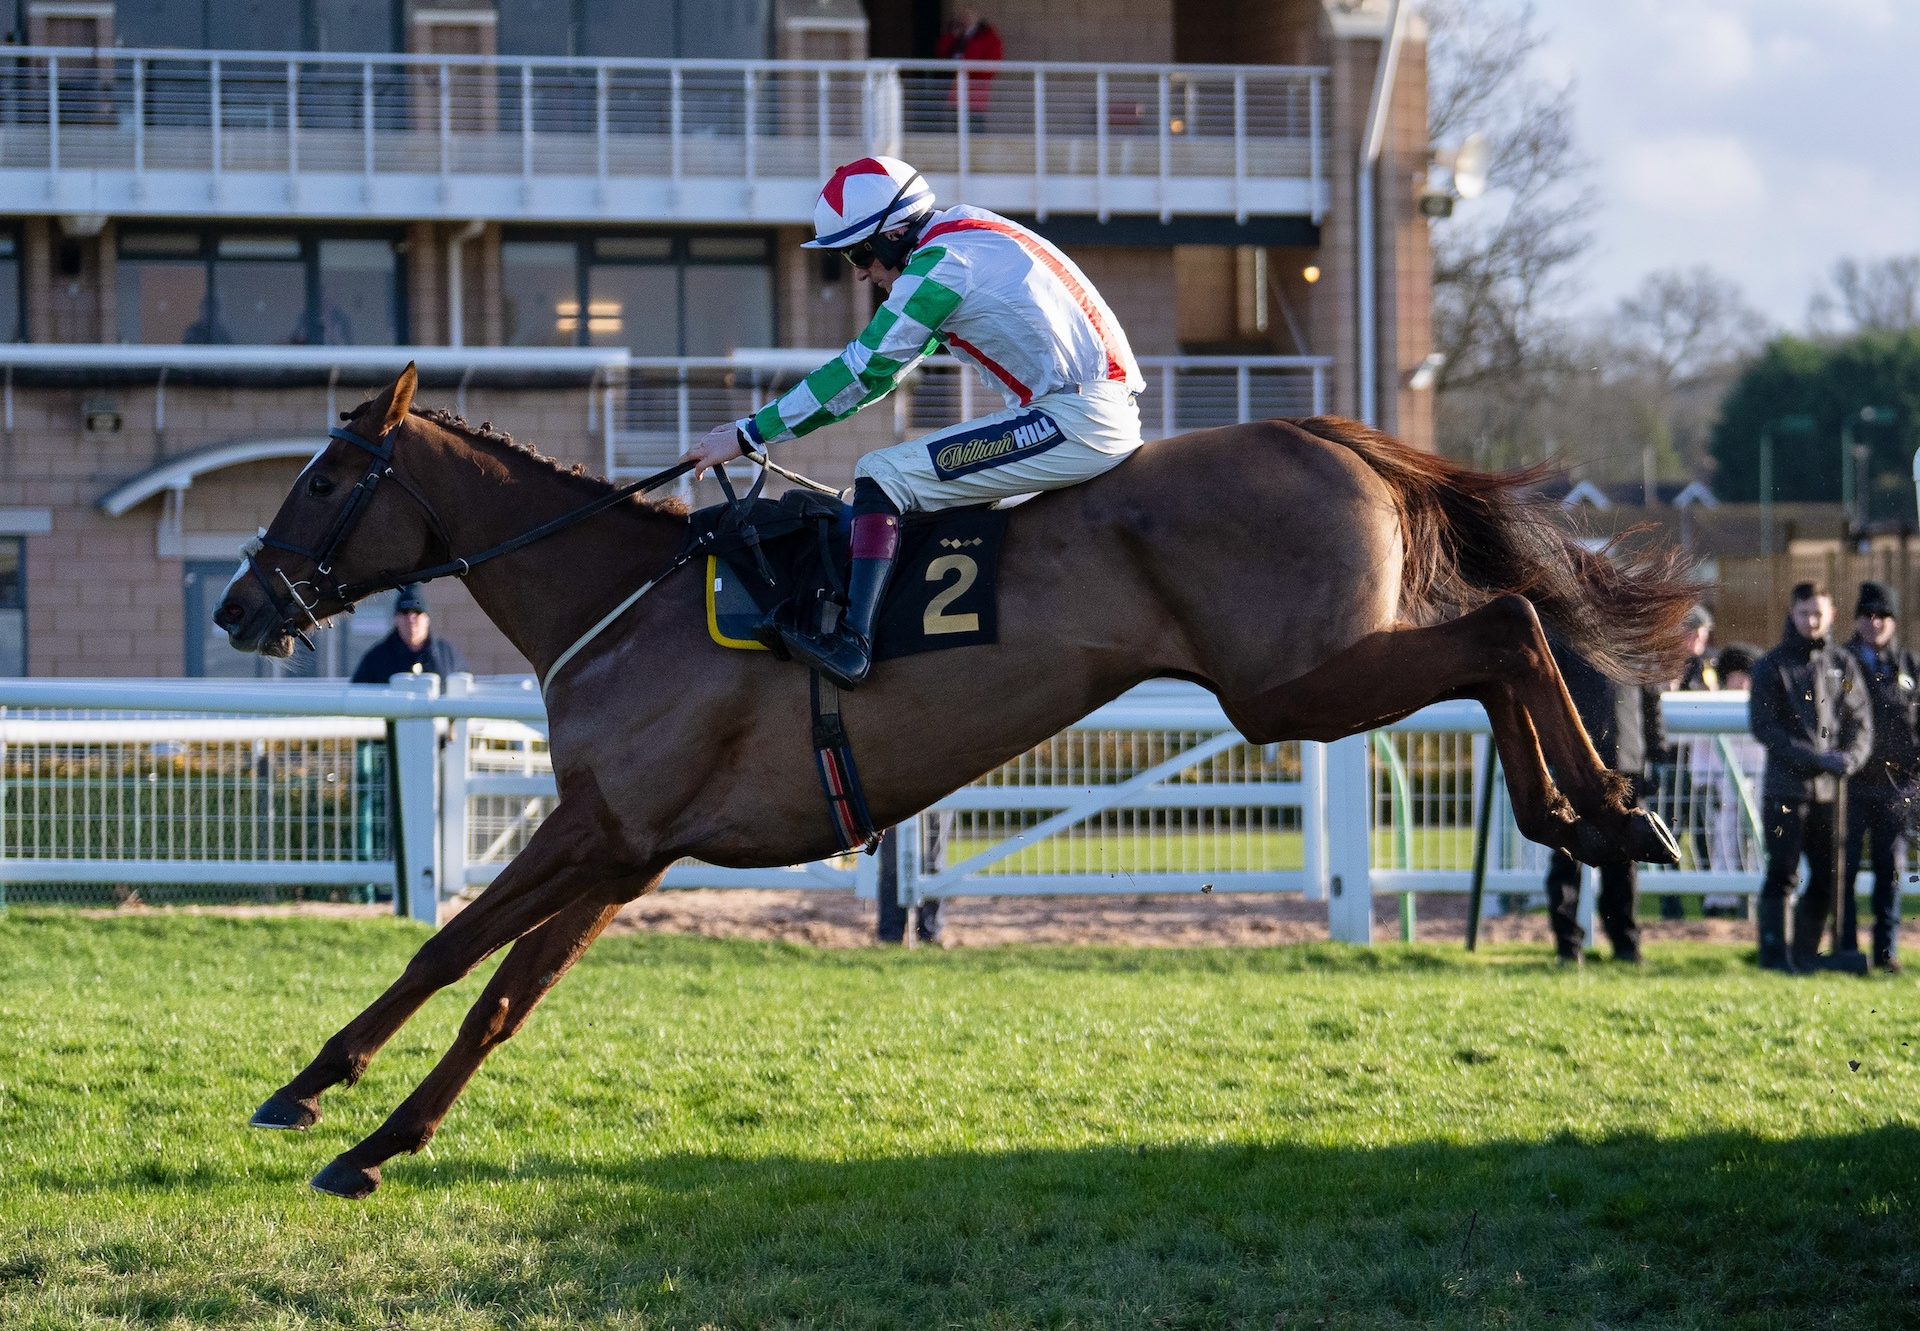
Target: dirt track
{"points": [[836, 919]]}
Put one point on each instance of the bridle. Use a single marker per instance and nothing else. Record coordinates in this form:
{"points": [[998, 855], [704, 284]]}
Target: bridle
{"points": [[296, 612]]}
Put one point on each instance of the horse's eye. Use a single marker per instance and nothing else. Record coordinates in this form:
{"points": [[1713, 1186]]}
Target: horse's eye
{"points": [[319, 487]]}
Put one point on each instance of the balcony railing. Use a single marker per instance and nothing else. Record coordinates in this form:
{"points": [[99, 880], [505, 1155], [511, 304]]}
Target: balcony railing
{"points": [[155, 132], [667, 403]]}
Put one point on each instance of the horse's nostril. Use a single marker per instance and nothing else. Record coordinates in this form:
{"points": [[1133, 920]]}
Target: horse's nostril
{"points": [[228, 615]]}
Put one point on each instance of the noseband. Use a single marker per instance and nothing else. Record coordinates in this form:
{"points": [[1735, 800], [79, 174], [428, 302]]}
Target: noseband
{"points": [[296, 611]]}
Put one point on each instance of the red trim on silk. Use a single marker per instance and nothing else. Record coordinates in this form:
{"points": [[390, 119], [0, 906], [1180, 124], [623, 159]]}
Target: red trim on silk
{"points": [[1081, 296], [993, 367]]}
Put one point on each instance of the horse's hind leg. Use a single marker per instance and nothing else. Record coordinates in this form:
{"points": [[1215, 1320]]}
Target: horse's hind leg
{"points": [[534, 966], [1498, 656], [542, 879]]}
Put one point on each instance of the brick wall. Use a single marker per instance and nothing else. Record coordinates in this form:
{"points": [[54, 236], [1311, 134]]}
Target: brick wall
{"points": [[101, 601]]}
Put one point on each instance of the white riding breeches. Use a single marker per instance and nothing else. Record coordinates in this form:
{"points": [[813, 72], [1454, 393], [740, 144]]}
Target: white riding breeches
{"points": [[1057, 440]]}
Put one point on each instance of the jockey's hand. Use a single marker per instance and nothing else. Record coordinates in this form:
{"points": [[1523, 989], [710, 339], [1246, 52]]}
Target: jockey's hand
{"points": [[718, 445]]}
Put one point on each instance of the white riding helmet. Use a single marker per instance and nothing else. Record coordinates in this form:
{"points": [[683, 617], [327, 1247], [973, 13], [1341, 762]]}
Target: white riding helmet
{"points": [[867, 197]]}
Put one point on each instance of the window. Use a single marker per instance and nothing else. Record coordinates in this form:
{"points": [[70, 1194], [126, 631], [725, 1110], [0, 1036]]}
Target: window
{"points": [[259, 288], [261, 25], [657, 295], [11, 323], [13, 605], [700, 29]]}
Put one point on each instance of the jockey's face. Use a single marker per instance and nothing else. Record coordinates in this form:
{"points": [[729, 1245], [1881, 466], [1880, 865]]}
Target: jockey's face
{"points": [[869, 267]]}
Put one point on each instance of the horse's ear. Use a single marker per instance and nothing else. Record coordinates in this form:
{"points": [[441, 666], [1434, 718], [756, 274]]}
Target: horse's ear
{"points": [[392, 404]]}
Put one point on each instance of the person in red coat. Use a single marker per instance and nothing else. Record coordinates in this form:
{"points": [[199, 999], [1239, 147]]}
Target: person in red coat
{"points": [[970, 37]]}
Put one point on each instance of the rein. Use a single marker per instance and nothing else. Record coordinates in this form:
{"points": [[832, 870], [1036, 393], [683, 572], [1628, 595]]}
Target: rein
{"points": [[380, 467]]}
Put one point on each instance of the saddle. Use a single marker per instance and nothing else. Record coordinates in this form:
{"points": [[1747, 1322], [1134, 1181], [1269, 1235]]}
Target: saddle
{"points": [[788, 557]]}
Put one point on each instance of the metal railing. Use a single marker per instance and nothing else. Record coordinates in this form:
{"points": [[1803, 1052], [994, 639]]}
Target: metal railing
{"points": [[142, 782], [669, 402], [137, 132]]}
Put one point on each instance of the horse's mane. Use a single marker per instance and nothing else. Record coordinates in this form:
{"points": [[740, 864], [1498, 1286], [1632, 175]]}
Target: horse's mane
{"points": [[485, 433]]}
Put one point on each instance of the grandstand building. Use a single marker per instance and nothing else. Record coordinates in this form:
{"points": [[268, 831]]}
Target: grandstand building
{"points": [[224, 221]]}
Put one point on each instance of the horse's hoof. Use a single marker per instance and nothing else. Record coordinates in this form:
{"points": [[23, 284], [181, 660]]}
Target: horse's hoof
{"points": [[1591, 845], [1649, 840], [282, 1114], [338, 1180]]}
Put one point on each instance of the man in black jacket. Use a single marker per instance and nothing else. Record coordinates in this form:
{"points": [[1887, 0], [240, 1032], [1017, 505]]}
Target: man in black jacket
{"points": [[412, 648], [1808, 708], [1879, 796], [1624, 722]]}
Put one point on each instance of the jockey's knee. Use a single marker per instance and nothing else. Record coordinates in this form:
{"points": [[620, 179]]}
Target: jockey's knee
{"points": [[875, 474], [869, 496]]}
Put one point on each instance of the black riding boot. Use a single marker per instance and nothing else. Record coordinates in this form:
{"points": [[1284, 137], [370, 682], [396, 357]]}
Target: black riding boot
{"points": [[846, 655]]}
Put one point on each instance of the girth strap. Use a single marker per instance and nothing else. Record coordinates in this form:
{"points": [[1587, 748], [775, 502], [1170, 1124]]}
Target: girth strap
{"points": [[839, 777]]}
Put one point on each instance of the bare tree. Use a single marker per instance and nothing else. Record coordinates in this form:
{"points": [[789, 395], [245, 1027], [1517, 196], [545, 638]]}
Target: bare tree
{"points": [[1681, 338], [1870, 296], [1504, 264]]}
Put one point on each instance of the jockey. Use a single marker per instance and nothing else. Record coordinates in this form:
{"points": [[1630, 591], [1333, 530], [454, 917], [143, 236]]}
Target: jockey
{"points": [[992, 292]]}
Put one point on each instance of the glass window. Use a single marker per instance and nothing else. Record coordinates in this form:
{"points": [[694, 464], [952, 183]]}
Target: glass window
{"points": [[359, 293], [539, 292], [163, 302], [659, 248], [635, 306], [728, 306], [13, 605], [658, 295], [259, 289], [9, 289]]}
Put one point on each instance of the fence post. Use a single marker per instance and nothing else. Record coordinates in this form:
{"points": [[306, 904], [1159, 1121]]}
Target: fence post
{"points": [[1349, 841], [1313, 817], [452, 878], [415, 874]]}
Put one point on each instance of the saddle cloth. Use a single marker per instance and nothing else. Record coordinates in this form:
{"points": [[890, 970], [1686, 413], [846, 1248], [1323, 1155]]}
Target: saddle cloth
{"points": [[944, 587]]}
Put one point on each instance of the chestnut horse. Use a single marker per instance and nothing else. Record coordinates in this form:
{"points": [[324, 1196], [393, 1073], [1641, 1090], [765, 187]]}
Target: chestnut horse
{"points": [[1317, 576]]}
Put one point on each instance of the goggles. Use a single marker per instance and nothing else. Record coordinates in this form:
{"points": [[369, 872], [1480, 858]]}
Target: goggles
{"points": [[861, 255]]}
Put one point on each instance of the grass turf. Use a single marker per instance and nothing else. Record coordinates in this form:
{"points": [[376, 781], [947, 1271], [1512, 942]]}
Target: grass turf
{"points": [[694, 1133]]}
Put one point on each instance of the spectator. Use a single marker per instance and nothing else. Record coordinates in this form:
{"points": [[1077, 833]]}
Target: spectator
{"points": [[1713, 762], [1877, 795], [1808, 708], [1693, 802], [1701, 671], [1624, 723], [411, 649], [970, 37]]}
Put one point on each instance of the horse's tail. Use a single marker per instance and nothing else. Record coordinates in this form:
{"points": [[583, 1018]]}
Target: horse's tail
{"points": [[1473, 535]]}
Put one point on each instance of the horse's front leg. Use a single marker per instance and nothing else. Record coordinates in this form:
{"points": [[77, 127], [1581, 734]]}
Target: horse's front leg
{"points": [[542, 879], [534, 966]]}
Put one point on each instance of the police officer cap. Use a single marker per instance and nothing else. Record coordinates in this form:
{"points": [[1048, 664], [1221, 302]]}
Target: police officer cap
{"points": [[1876, 599], [411, 598]]}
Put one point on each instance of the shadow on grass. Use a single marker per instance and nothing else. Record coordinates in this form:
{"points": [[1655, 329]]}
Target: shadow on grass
{"points": [[1710, 1230]]}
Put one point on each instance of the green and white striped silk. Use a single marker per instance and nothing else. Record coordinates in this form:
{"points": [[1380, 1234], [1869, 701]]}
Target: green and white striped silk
{"points": [[903, 332]]}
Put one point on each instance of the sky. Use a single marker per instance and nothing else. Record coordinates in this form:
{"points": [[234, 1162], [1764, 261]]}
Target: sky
{"points": [[1763, 138]]}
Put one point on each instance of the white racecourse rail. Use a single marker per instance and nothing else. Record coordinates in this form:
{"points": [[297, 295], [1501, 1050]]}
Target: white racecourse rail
{"points": [[195, 782]]}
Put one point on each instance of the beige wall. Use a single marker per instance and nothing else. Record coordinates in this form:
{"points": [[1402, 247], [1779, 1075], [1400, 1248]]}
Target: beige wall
{"points": [[101, 601]]}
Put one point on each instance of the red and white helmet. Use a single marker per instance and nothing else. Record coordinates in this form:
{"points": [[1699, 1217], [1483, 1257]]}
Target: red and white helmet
{"points": [[867, 197]]}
